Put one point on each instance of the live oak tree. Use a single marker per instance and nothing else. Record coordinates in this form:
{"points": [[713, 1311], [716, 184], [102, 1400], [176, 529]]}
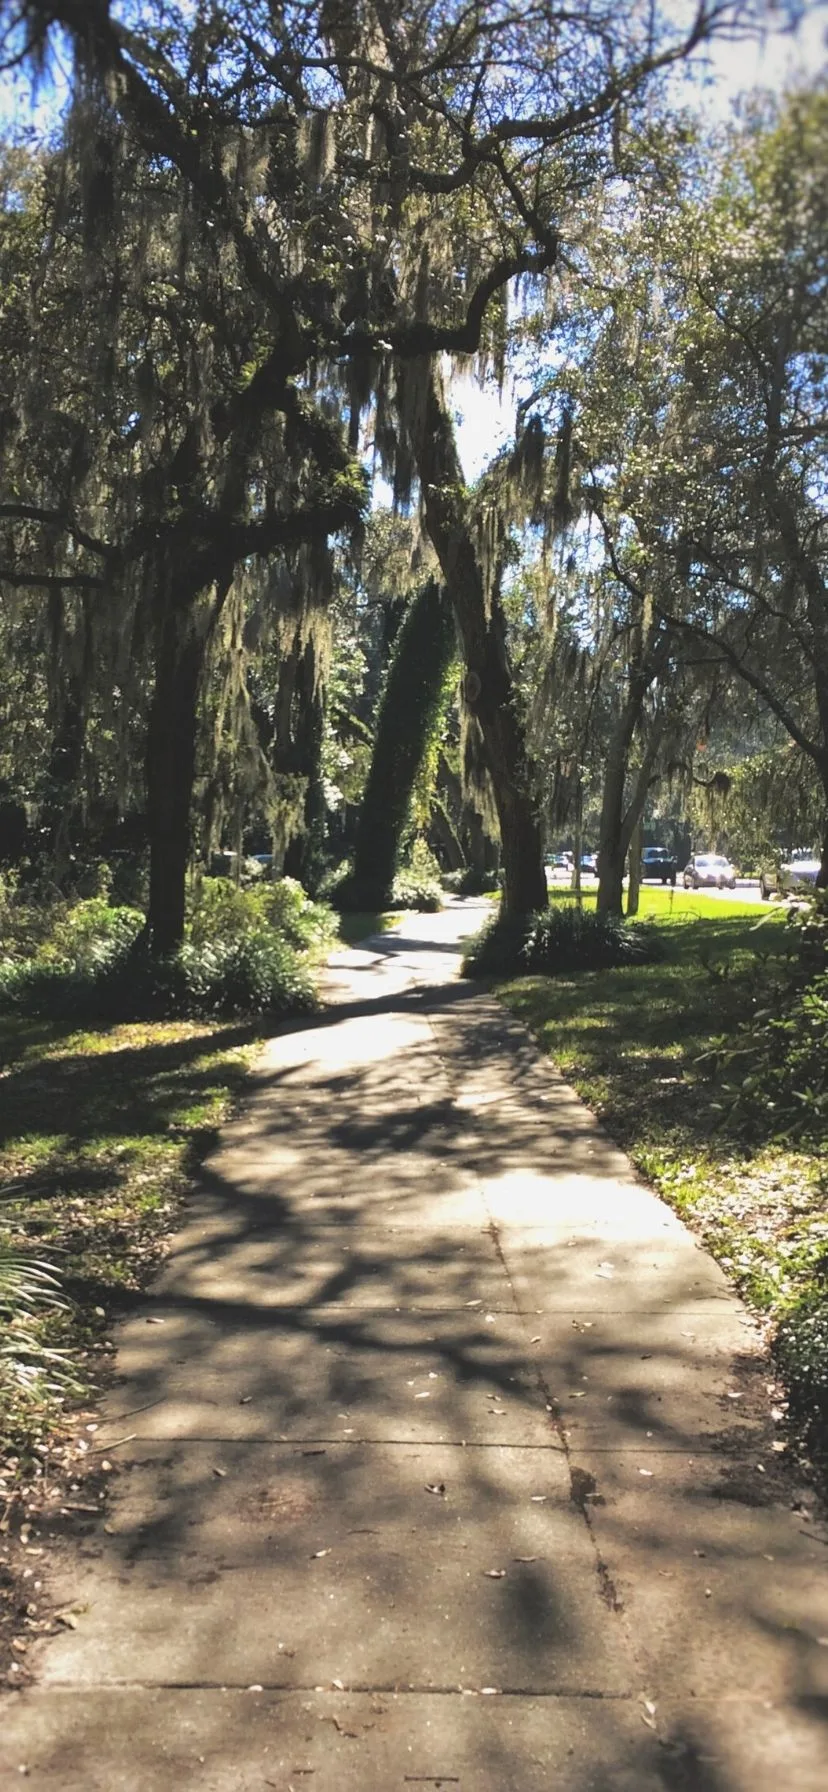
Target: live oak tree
{"points": [[701, 418], [368, 182]]}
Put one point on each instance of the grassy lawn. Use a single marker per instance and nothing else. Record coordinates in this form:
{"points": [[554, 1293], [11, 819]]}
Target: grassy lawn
{"points": [[99, 1133], [630, 1040]]}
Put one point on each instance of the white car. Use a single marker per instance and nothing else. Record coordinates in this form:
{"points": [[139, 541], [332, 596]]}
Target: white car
{"points": [[709, 870], [799, 872]]}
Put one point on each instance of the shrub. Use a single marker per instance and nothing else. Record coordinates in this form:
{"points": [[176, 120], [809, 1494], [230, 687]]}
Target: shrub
{"points": [[478, 883], [411, 890], [776, 1066], [559, 941], [246, 952]]}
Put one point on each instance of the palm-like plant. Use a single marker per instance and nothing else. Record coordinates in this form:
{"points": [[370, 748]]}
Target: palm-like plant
{"points": [[29, 1288]]}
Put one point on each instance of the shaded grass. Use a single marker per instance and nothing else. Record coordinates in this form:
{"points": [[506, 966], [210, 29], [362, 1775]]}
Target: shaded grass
{"points": [[100, 1131], [362, 923], [629, 1041]]}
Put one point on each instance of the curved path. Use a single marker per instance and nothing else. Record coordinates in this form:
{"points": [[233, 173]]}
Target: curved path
{"points": [[441, 1451]]}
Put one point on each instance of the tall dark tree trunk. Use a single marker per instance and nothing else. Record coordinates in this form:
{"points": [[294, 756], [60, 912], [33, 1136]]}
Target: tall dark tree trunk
{"points": [[423, 652], [489, 689], [298, 751], [171, 748]]}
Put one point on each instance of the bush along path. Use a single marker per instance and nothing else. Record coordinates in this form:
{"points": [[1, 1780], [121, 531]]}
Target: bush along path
{"points": [[440, 1452]]}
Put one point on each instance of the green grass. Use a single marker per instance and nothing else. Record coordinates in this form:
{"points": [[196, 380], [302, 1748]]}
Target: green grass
{"points": [[100, 1132], [353, 928], [629, 1040]]}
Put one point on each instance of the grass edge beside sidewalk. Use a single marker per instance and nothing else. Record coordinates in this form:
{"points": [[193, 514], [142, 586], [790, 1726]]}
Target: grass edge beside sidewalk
{"points": [[628, 1042]]}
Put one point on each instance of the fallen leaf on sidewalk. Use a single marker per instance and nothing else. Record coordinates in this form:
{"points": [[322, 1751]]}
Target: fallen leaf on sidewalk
{"points": [[220, 1473], [318, 1554], [435, 1487], [606, 1271], [495, 1573], [153, 1320], [424, 1396], [524, 1558], [69, 1616]]}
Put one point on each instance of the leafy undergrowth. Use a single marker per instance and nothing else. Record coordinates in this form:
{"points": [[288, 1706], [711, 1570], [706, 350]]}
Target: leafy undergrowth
{"points": [[562, 938], [245, 952], [635, 1043]]}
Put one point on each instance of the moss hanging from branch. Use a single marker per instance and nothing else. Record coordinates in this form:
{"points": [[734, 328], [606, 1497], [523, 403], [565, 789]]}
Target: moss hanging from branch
{"points": [[409, 710]]}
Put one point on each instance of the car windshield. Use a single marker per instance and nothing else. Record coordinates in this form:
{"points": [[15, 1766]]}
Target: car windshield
{"points": [[711, 859]]}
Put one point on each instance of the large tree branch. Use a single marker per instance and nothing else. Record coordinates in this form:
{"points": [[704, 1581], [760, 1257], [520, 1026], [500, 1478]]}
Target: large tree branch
{"points": [[50, 581], [419, 337], [36, 513]]}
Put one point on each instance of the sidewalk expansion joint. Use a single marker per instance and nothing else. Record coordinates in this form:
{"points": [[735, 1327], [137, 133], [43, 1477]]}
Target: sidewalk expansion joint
{"points": [[358, 1689]]}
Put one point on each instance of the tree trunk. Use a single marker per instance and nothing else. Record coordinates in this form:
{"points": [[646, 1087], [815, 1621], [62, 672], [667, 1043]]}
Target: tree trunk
{"points": [[443, 839], [171, 745], [490, 691], [634, 884], [300, 753], [411, 701], [612, 847]]}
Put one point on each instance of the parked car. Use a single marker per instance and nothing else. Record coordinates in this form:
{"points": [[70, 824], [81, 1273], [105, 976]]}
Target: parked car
{"points": [[589, 863], [658, 864], [799, 872], [709, 870]]}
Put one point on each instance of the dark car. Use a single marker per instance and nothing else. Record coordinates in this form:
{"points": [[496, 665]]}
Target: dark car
{"points": [[658, 864]]}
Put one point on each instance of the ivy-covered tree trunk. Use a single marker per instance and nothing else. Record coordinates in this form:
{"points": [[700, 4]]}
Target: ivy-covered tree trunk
{"points": [[423, 652], [489, 688]]}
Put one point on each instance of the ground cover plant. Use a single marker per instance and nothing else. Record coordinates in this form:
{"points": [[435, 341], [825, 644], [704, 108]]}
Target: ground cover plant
{"points": [[656, 1049]]}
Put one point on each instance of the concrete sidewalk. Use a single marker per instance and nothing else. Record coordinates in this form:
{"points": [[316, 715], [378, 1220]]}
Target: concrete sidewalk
{"points": [[439, 1454]]}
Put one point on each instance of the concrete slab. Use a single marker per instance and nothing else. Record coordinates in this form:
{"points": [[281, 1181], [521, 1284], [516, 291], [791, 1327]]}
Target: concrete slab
{"points": [[327, 1373], [722, 1585], [273, 1263], [224, 1740], [239, 1563], [230, 1741], [584, 1274]]}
